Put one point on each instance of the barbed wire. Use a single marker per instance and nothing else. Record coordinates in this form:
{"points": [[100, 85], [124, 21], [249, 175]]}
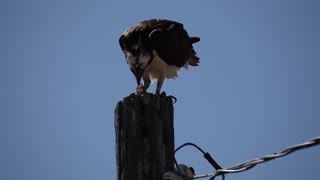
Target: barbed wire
{"points": [[247, 164]]}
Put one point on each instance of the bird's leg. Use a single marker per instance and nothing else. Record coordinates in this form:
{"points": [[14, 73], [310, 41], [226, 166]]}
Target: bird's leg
{"points": [[146, 83], [159, 84]]}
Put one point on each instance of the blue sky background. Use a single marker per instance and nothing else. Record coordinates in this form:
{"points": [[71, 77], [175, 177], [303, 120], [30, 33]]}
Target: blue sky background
{"points": [[256, 92]]}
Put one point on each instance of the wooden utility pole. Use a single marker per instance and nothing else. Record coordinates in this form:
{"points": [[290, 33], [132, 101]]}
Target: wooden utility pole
{"points": [[144, 137]]}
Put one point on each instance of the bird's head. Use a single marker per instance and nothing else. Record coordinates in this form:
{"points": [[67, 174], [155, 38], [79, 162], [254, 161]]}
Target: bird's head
{"points": [[137, 55], [138, 59]]}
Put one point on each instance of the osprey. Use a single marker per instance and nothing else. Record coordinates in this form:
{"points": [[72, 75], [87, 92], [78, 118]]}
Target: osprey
{"points": [[157, 49]]}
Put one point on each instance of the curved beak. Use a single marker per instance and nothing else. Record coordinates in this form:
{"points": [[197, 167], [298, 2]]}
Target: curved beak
{"points": [[138, 78], [137, 72]]}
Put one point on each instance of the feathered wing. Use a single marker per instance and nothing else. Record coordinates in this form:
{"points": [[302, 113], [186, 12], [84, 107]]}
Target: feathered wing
{"points": [[173, 44]]}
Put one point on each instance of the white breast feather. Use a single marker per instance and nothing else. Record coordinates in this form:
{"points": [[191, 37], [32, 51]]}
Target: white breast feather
{"points": [[158, 68]]}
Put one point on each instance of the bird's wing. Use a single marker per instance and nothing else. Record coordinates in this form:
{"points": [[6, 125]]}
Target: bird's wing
{"points": [[168, 38], [171, 42]]}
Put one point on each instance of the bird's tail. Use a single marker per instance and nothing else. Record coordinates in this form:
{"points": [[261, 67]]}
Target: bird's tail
{"points": [[194, 60], [194, 39]]}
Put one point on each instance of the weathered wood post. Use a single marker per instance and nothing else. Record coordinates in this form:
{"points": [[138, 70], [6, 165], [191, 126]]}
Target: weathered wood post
{"points": [[144, 137]]}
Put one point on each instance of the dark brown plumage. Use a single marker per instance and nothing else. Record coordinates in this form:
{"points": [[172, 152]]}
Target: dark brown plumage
{"points": [[156, 49]]}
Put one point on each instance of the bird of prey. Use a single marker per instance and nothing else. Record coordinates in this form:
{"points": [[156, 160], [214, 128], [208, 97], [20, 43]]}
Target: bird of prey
{"points": [[157, 49]]}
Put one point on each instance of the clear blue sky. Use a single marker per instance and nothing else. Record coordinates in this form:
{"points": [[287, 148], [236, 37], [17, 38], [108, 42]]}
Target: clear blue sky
{"points": [[256, 92]]}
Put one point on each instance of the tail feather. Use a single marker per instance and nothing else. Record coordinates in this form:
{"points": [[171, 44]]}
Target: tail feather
{"points": [[194, 39], [193, 61]]}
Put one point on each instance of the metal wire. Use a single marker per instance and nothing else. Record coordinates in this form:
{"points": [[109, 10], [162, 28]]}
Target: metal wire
{"points": [[189, 144], [252, 163], [183, 145]]}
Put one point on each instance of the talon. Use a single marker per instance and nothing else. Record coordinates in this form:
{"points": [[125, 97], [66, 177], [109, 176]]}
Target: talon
{"points": [[139, 89]]}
